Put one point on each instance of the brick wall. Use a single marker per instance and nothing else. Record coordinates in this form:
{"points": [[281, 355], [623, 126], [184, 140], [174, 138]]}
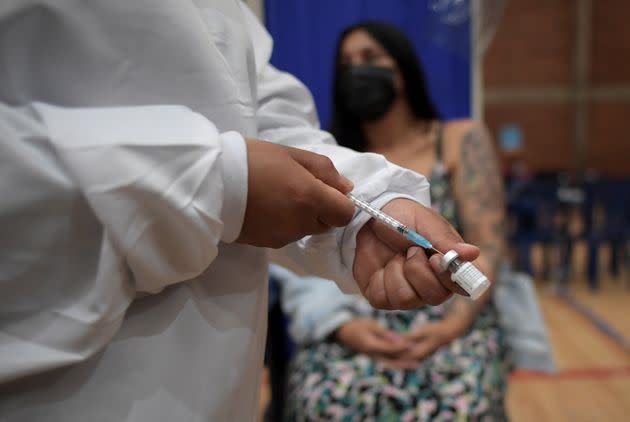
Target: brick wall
{"points": [[533, 45], [610, 42], [560, 69]]}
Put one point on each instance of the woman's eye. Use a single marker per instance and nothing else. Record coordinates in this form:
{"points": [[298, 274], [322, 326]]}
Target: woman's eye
{"points": [[371, 56]]}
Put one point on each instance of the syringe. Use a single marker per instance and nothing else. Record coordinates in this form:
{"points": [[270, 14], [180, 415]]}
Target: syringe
{"points": [[473, 281], [393, 223]]}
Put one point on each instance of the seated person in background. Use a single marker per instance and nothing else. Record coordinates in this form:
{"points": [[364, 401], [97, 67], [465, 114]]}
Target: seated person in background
{"points": [[445, 362]]}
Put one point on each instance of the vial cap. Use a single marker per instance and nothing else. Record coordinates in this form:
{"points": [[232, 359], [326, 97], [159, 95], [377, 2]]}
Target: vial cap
{"points": [[448, 257]]}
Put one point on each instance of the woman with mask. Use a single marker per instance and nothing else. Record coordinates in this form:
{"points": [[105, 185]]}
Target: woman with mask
{"points": [[434, 363]]}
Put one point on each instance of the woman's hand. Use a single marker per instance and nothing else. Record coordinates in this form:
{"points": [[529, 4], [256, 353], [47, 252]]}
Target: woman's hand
{"points": [[401, 351], [369, 337], [426, 339]]}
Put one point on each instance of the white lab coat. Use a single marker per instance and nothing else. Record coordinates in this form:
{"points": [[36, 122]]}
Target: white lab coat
{"points": [[123, 185]]}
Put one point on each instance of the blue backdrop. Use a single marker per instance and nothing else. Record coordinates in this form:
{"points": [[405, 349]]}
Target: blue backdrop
{"points": [[305, 33]]}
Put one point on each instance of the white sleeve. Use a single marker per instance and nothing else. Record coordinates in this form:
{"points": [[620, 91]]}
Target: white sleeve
{"points": [[286, 115], [314, 305], [164, 183]]}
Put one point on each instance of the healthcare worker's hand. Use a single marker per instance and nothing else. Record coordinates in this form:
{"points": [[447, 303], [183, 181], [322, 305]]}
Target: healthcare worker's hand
{"points": [[393, 274], [291, 193]]}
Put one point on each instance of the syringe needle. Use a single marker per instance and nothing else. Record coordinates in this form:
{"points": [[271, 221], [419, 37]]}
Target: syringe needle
{"points": [[432, 248]]}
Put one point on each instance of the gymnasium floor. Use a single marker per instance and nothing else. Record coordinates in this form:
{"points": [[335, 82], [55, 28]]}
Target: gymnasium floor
{"points": [[587, 332]]}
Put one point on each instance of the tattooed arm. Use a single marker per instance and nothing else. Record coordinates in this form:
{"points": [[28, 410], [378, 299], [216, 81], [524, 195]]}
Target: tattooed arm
{"points": [[478, 189]]}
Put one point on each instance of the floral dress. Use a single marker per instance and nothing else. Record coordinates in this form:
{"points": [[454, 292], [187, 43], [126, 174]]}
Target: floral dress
{"points": [[464, 380]]}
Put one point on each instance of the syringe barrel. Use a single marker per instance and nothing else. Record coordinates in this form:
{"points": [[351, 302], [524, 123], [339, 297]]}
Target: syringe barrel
{"points": [[382, 217]]}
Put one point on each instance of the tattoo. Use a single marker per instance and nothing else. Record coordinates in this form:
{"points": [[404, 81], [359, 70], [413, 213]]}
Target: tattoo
{"points": [[480, 196], [480, 170]]}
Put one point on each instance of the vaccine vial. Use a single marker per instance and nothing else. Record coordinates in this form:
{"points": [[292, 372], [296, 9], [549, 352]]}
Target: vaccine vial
{"points": [[465, 274]]}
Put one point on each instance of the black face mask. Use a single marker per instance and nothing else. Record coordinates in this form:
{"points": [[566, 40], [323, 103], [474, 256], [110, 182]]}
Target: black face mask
{"points": [[367, 91]]}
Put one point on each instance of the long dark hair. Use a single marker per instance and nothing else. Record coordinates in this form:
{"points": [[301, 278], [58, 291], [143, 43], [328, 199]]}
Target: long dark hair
{"points": [[346, 128]]}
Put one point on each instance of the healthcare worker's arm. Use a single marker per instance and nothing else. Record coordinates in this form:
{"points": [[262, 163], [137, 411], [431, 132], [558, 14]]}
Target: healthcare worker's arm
{"points": [[166, 185], [162, 180]]}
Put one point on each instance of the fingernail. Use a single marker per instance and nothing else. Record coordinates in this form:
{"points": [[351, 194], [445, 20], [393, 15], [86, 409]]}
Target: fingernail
{"points": [[412, 251], [348, 183], [437, 259]]}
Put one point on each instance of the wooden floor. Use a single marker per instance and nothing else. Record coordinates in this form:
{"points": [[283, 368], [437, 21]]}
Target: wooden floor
{"points": [[593, 382]]}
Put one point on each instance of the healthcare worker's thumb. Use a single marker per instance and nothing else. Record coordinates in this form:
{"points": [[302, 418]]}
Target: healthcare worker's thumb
{"points": [[322, 168], [332, 207]]}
